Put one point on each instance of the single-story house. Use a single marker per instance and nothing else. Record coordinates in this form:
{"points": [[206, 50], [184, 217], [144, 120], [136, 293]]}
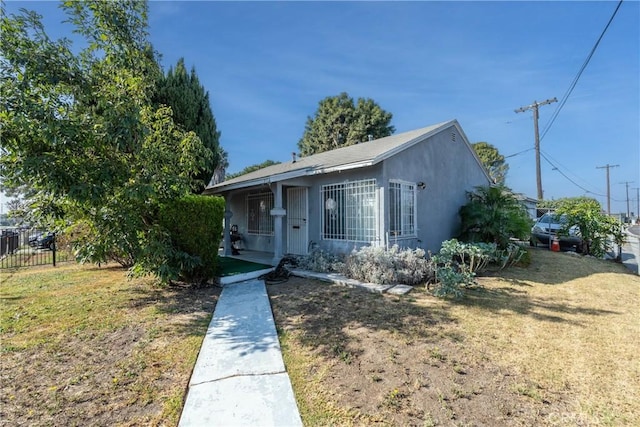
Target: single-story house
{"points": [[404, 189], [530, 204]]}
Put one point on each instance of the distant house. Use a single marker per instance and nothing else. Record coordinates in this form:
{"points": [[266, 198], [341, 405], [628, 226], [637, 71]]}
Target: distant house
{"points": [[530, 204], [405, 189]]}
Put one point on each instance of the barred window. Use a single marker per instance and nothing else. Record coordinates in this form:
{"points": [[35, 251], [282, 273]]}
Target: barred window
{"points": [[259, 219], [349, 211], [402, 211]]}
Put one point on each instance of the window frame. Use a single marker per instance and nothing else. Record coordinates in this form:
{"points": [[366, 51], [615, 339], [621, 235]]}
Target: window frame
{"points": [[406, 227], [353, 208], [265, 224]]}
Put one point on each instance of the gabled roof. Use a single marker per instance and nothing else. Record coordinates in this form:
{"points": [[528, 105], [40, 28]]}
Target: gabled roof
{"points": [[354, 156]]}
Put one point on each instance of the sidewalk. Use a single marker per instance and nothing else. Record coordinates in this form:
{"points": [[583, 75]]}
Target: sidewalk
{"points": [[239, 378]]}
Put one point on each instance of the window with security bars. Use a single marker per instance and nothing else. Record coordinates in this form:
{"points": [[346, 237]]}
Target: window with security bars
{"points": [[402, 209], [259, 219], [349, 211]]}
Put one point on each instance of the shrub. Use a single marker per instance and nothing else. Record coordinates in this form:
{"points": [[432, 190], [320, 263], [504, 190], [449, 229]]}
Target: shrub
{"points": [[194, 225], [457, 263], [470, 257], [321, 262], [395, 265], [509, 256], [596, 228], [159, 256], [449, 281]]}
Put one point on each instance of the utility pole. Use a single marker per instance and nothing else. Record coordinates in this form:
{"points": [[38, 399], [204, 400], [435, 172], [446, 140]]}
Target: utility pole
{"points": [[534, 108], [626, 183], [607, 166]]}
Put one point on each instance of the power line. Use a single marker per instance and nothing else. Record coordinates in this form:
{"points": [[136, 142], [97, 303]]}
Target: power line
{"points": [[563, 102], [519, 152], [575, 183], [569, 179], [575, 80], [566, 169]]}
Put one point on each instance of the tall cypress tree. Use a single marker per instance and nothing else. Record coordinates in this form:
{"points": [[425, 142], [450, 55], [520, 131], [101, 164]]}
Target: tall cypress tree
{"points": [[189, 101]]}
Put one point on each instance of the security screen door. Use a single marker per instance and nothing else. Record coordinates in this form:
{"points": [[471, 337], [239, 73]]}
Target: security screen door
{"points": [[297, 214]]}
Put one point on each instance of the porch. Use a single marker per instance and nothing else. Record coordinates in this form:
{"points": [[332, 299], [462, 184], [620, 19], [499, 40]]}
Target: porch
{"points": [[252, 256]]}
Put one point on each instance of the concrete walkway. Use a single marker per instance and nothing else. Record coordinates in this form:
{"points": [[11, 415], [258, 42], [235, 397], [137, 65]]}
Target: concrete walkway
{"points": [[239, 378]]}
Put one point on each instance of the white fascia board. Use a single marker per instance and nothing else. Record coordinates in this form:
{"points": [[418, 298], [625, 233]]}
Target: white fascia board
{"points": [[258, 181], [344, 167]]}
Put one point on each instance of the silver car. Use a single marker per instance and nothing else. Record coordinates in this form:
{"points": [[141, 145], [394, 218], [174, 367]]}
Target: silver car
{"points": [[549, 225]]}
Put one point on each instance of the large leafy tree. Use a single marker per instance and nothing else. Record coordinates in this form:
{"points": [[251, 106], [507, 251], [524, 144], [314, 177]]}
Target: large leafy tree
{"points": [[492, 160], [493, 215], [80, 131], [340, 122], [189, 101]]}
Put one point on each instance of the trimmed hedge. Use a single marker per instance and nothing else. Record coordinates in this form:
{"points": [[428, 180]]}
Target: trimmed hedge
{"points": [[195, 225]]}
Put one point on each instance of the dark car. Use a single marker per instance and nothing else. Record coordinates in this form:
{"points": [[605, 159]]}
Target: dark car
{"points": [[550, 226], [42, 241]]}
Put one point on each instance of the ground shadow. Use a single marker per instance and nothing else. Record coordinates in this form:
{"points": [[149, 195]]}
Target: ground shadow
{"points": [[554, 268], [191, 306], [327, 314], [510, 299]]}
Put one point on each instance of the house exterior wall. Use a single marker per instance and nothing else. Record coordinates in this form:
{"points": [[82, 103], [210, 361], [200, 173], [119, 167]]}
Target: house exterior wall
{"points": [[237, 204], [448, 168], [316, 206]]}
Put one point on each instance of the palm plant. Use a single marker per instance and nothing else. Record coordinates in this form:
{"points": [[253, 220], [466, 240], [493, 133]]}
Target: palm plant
{"points": [[493, 215]]}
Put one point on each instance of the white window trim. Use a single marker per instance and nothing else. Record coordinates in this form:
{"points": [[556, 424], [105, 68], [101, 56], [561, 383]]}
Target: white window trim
{"points": [[401, 236]]}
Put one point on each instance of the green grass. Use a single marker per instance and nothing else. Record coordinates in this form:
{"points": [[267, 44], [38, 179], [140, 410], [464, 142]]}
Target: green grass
{"points": [[83, 343], [232, 266]]}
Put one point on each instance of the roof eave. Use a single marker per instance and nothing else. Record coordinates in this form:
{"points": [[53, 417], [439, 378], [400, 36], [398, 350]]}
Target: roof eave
{"points": [[222, 187], [340, 168]]}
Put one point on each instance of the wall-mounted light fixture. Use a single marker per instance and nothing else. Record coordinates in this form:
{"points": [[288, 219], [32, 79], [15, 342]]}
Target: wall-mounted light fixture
{"points": [[422, 185]]}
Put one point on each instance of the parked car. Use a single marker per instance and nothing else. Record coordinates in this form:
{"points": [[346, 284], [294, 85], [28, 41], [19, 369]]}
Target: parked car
{"points": [[42, 241], [549, 226]]}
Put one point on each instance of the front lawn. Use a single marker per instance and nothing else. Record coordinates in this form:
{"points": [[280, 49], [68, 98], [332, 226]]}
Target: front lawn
{"points": [[86, 346], [555, 343]]}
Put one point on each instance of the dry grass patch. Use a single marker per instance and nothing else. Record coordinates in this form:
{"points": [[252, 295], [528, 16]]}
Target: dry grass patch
{"points": [[84, 345], [555, 343]]}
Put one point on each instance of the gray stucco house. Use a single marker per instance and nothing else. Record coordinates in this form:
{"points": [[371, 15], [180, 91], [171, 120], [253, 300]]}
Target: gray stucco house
{"points": [[404, 189]]}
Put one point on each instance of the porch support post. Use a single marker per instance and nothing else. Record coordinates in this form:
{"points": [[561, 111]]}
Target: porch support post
{"points": [[227, 226], [278, 212]]}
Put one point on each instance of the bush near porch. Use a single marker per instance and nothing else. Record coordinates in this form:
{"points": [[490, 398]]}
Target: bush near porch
{"points": [[448, 272], [195, 227]]}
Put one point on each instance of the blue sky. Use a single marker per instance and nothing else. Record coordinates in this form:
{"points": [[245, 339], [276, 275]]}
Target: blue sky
{"points": [[266, 66]]}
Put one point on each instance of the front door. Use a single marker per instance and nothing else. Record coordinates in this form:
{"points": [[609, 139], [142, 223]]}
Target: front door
{"points": [[297, 214]]}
